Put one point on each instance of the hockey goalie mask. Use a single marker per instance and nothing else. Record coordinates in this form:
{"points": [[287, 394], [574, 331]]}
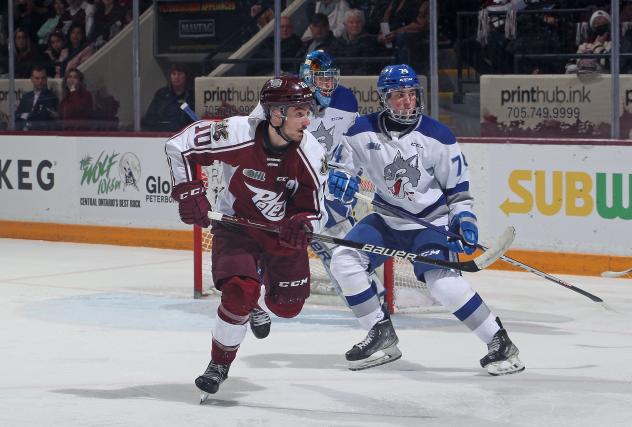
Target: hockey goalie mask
{"points": [[321, 74], [400, 93]]}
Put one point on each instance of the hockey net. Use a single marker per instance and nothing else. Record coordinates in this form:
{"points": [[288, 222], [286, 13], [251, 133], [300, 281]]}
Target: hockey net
{"points": [[404, 293]]}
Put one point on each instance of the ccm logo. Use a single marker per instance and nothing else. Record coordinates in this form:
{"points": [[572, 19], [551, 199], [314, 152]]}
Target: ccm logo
{"points": [[293, 283], [191, 193]]}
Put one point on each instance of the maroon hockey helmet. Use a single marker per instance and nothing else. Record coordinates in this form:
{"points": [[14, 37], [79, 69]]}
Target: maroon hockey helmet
{"points": [[285, 91]]}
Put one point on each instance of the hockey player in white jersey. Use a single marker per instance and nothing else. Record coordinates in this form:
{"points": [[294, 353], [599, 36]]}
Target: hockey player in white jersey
{"points": [[335, 111], [416, 166]]}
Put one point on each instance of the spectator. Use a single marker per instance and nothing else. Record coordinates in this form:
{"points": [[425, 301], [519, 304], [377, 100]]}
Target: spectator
{"points": [[78, 48], [323, 37], [599, 42], [109, 19], [164, 113], [354, 42], [26, 55], [408, 31], [48, 27], [290, 44], [26, 18], [75, 109], [74, 15], [57, 53], [261, 13], [539, 34], [335, 11], [37, 109]]}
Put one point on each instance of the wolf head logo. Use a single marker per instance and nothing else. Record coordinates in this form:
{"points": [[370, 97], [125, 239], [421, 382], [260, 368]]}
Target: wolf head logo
{"points": [[324, 136], [402, 176]]}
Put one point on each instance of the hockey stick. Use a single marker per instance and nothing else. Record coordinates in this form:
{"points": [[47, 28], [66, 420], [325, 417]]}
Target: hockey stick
{"points": [[613, 274], [505, 258], [185, 107], [472, 266]]}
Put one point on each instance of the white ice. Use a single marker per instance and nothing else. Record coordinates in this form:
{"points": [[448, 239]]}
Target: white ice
{"points": [[96, 335]]}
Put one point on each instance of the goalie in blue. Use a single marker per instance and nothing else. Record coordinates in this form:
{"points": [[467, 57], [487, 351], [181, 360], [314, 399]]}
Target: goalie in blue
{"points": [[416, 166]]}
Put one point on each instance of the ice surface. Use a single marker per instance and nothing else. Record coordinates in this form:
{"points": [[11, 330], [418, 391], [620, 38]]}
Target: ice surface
{"points": [[96, 335]]}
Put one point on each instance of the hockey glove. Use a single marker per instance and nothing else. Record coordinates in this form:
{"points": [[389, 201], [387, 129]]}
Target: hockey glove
{"points": [[465, 225], [343, 186], [295, 232], [194, 205]]}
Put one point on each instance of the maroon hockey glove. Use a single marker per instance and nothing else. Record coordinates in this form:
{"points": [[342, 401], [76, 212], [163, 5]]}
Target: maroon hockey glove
{"points": [[295, 232], [194, 205]]}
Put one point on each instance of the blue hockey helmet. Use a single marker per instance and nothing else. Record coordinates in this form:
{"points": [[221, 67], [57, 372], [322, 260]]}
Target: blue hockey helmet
{"points": [[321, 74], [400, 77]]}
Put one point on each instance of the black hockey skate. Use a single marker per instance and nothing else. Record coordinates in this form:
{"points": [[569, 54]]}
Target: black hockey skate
{"points": [[260, 323], [502, 358], [379, 346], [210, 380]]}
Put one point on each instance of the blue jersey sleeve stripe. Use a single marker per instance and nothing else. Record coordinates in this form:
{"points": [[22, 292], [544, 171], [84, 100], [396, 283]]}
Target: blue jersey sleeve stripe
{"points": [[459, 188], [343, 99]]}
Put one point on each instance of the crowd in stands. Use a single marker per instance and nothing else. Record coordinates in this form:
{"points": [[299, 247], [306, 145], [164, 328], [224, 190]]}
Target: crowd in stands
{"points": [[61, 34], [525, 36]]}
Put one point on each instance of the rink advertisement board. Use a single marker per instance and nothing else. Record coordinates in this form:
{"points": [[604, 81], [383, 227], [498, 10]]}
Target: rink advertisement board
{"points": [[221, 97], [552, 106], [560, 198], [87, 180], [22, 86]]}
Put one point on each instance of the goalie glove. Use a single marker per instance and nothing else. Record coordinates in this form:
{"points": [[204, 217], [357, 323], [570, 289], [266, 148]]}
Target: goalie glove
{"points": [[193, 204], [295, 232], [342, 186], [464, 224]]}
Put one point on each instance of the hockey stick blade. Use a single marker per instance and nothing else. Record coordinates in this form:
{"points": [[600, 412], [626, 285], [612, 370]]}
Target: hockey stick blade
{"points": [[471, 266], [509, 260], [615, 274]]}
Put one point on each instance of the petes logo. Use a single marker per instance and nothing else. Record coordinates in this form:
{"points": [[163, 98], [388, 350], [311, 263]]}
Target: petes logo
{"points": [[269, 203]]}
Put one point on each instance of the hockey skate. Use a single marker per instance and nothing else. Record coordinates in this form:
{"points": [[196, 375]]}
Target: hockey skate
{"points": [[260, 323], [210, 380], [502, 358], [379, 346]]}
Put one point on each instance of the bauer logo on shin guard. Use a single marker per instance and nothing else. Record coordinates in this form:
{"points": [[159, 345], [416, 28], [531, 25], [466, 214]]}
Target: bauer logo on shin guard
{"points": [[388, 252]]}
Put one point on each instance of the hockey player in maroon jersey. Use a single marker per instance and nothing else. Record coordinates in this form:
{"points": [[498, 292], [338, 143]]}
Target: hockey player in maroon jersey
{"points": [[275, 172]]}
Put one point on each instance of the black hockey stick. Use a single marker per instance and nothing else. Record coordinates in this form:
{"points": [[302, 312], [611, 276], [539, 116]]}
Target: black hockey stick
{"points": [[472, 266], [505, 258]]}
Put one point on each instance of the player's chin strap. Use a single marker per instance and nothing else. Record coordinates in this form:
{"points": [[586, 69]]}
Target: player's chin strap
{"points": [[278, 129]]}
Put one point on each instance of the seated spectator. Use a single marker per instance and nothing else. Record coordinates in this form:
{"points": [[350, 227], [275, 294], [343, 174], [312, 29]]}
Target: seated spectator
{"points": [[290, 44], [37, 109], [78, 48], [74, 15], [48, 27], [26, 55], [104, 114], [598, 42], [262, 13], [75, 108], [25, 17], [109, 17], [408, 32], [322, 36], [354, 42], [539, 34], [335, 11], [57, 53], [164, 113]]}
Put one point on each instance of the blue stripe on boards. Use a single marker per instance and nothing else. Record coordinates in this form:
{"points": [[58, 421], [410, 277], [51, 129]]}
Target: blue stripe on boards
{"points": [[469, 307], [361, 297]]}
